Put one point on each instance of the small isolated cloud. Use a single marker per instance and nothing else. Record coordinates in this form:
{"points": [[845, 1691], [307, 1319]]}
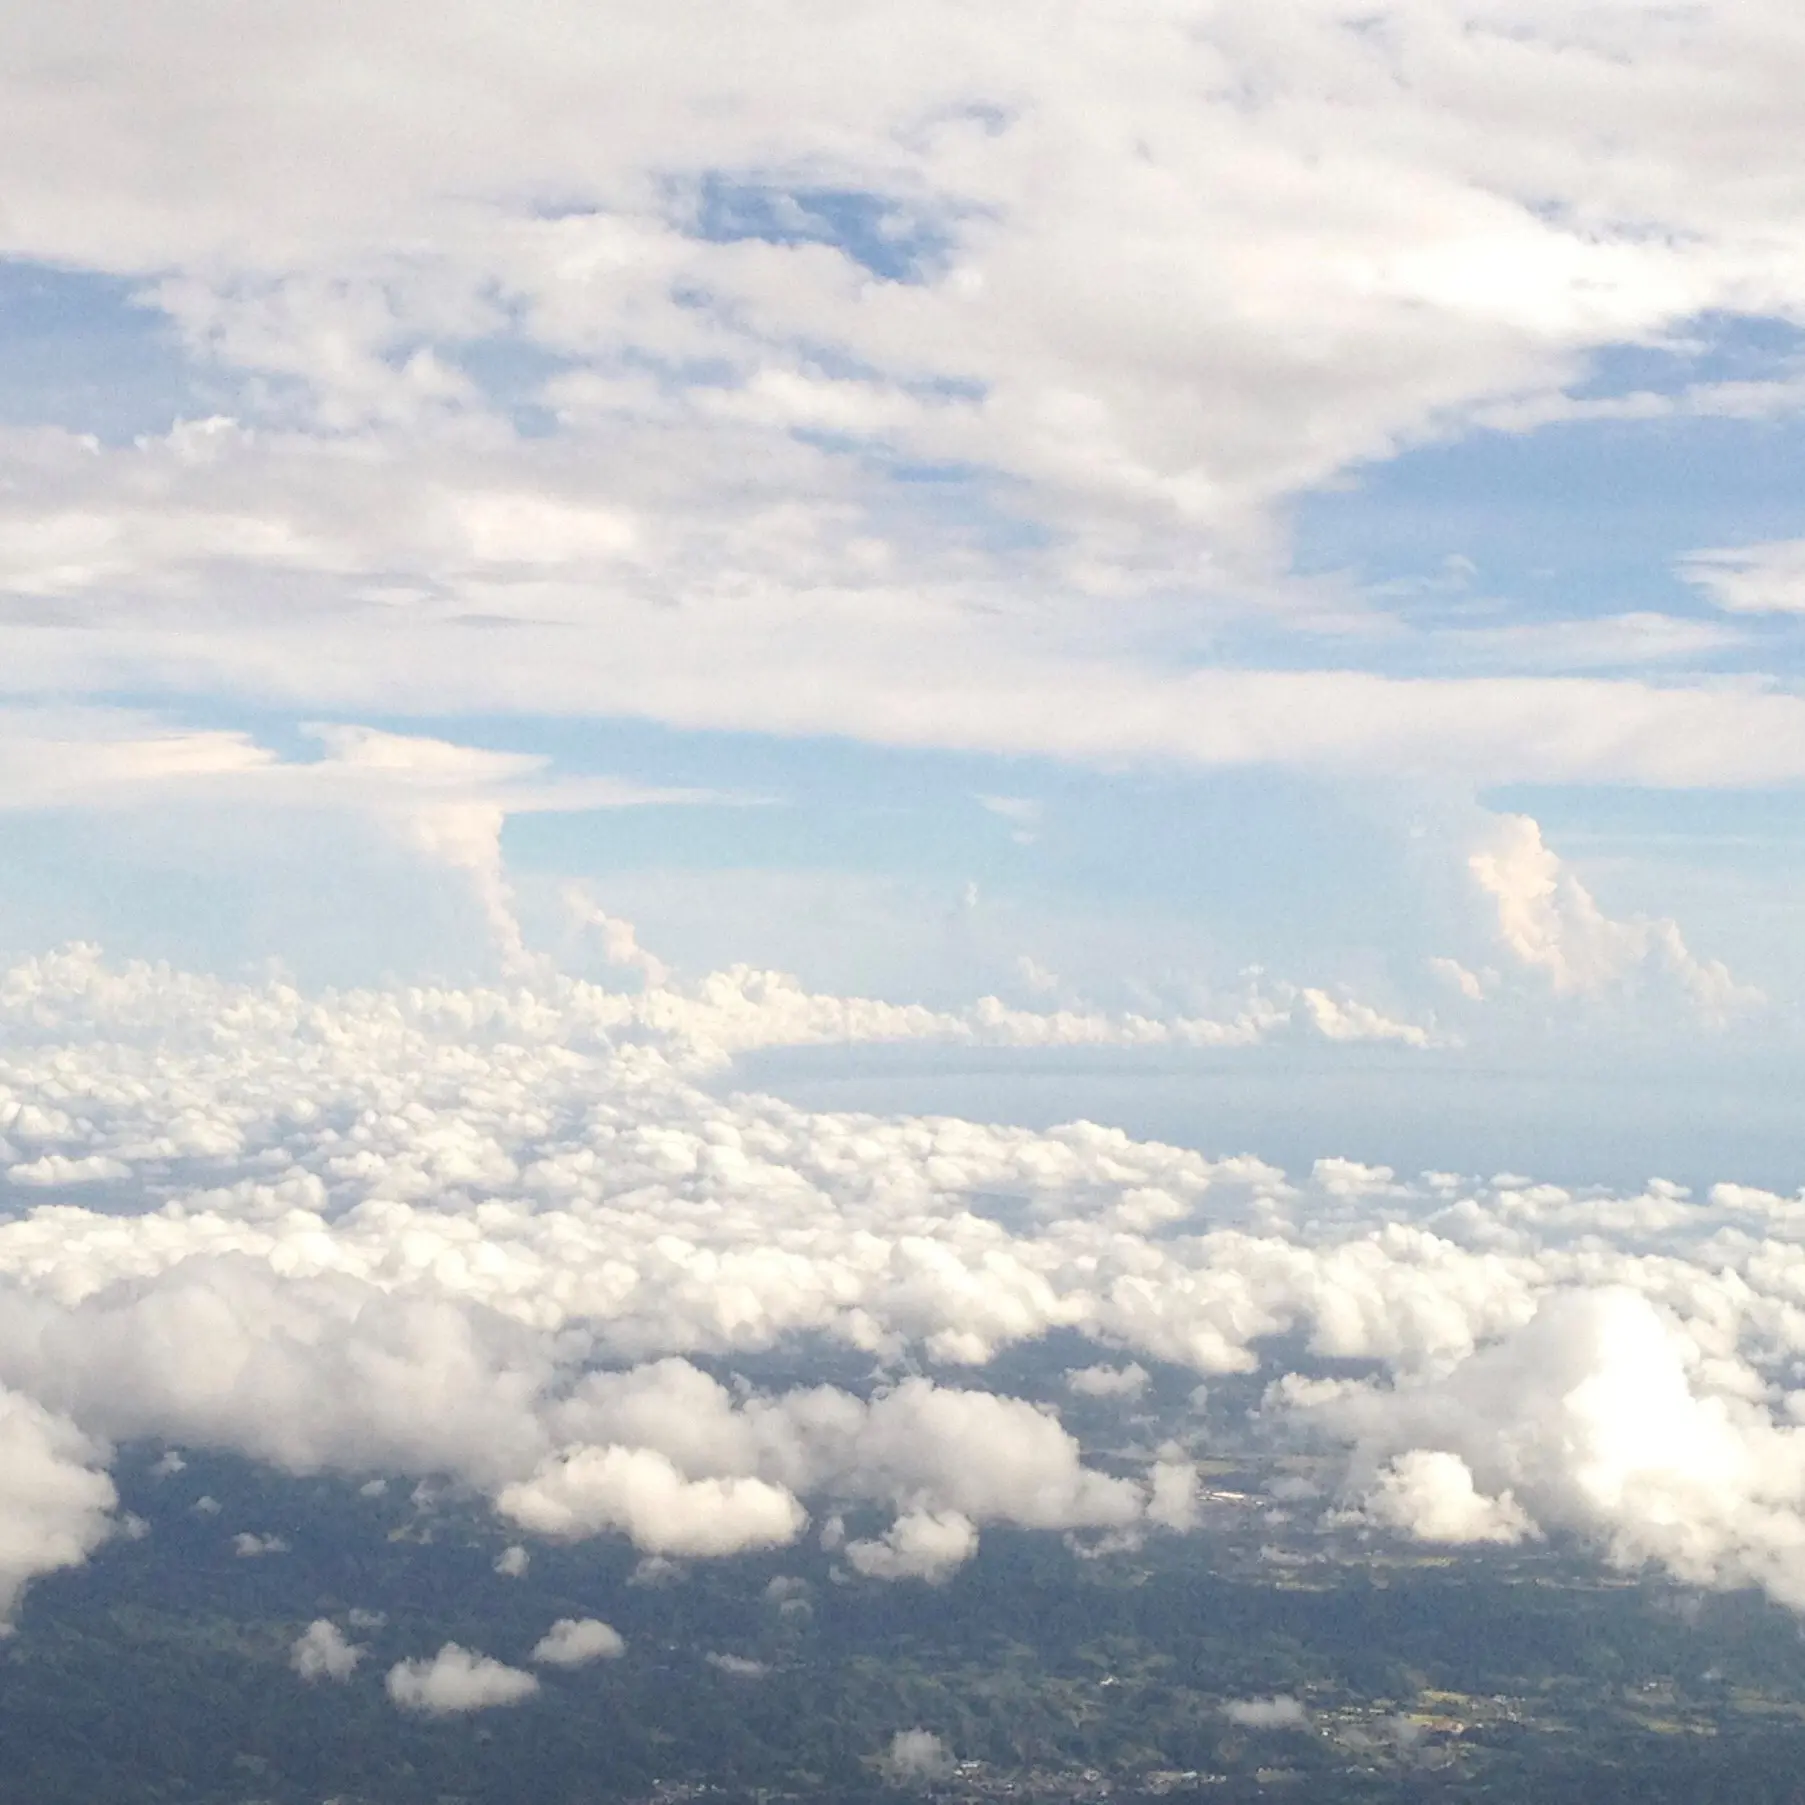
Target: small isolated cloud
{"points": [[738, 1667], [1172, 1494], [1279, 1713], [457, 1680], [1469, 984], [248, 1547], [323, 1652], [923, 1544], [166, 1466], [917, 1757], [513, 1561], [1107, 1381], [575, 1641], [1429, 1493], [1021, 812]]}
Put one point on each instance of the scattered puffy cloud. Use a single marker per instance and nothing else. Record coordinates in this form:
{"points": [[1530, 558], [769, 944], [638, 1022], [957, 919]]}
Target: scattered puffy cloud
{"points": [[456, 1680], [248, 1546], [575, 1641], [494, 1235], [736, 1667], [323, 1652], [513, 1561]]}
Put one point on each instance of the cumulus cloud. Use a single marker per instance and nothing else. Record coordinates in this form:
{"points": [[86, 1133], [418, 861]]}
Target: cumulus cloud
{"points": [[491, 1236], [922, 1544], [1551, 922], [456, 1680], [323, 1652], [513, 1561], [1429, 1493], [1172, 1494], [1108, 1381], [917, 1757], [1603, 1416], [248, 1546], [638, 1491], [55, 1497], [575, 1641]]}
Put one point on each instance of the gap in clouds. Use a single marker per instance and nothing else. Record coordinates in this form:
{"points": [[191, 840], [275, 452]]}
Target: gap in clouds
{"points": [[1618, 1124]]}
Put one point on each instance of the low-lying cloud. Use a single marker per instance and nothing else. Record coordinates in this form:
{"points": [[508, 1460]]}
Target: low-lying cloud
{"points": [[505, 1237]]}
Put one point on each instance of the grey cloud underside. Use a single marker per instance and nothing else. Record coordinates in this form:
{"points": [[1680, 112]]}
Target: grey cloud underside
{"points": [[476, 1233]]}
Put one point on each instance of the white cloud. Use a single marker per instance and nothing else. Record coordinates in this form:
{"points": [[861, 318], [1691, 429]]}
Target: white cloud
{"points": [[575, 1641], [1603, 1416], [323, 1652], [922, 1544], [1429, 1493], [456, 1680], [917, 1757], [1279, 1713], [58, 1169], [248, 1546], [737, 1667], [1155, 311], [1172, 1494], [474, 1234], [638, 1491], [1551, 922], [54, 1498], [513, 1561], [1108, 1381], [1752, 579]]}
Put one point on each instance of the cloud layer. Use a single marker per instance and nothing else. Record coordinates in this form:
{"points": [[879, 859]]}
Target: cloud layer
{"points": [[919, 397], [496, 1234]]}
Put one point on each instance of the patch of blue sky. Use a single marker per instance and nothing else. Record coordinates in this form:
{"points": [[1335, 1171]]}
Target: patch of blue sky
{"points": [[1697, 1120], [977, 507], [1714, 348], [1758, 830], [1243, 849], [512, 371], [883, 235], [1578, 519], [81, 351]]}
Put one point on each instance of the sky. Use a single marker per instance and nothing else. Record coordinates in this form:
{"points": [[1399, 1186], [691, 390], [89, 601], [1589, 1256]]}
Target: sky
{"points": [[1229, 574]]}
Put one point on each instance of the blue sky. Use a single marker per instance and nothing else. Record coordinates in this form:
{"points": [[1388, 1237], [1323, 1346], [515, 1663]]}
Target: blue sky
{"points": [[1036, 528]]}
